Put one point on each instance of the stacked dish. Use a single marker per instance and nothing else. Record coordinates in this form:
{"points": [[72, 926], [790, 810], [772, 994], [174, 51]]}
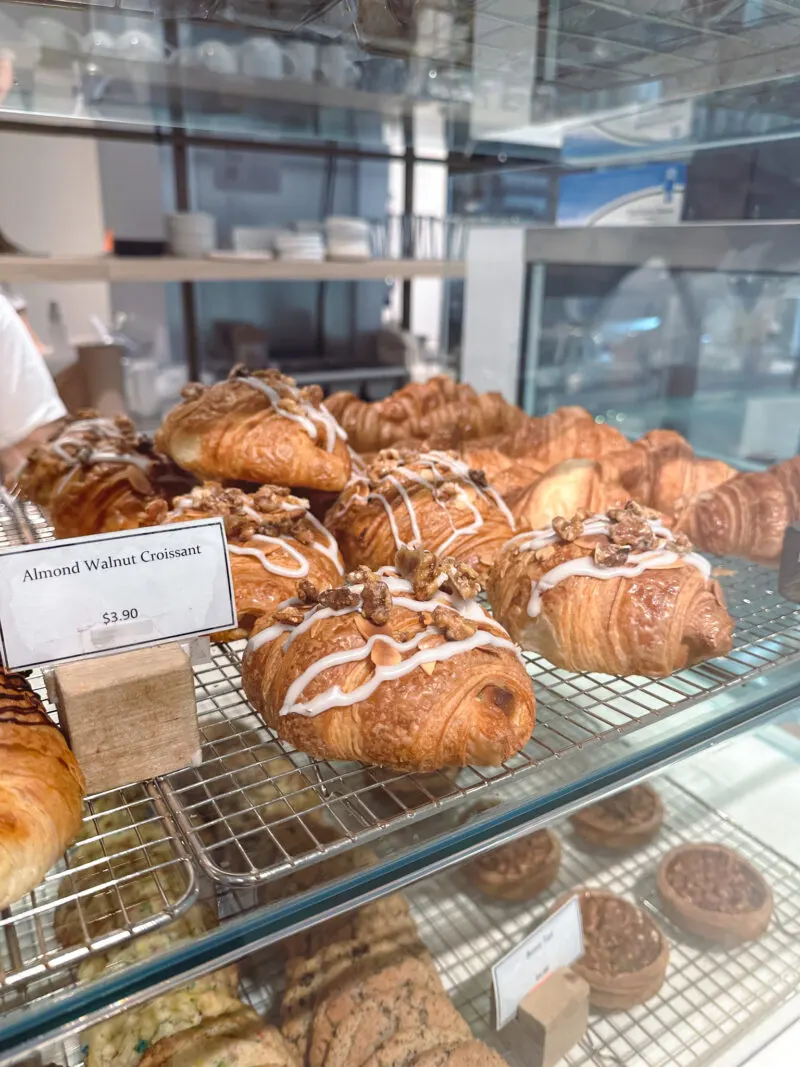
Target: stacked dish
{"points": [[348, 238], [305, 246], [191, 234]]}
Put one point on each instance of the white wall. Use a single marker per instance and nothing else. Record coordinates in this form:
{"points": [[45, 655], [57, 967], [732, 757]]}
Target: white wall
{"points": [[50, 201]]}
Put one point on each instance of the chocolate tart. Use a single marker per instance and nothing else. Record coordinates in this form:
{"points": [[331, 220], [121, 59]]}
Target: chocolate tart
{"points": [[518, 871], [626, 954], [714, 892], [626, 820]]}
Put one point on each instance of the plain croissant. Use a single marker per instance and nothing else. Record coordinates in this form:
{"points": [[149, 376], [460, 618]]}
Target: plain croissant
{"points": [[41, 790], [564, 489], [614, 594], [748, 515], [568, 433], [405, 673], [427, 498], [273, 542], [257, 427], [98, 475]]}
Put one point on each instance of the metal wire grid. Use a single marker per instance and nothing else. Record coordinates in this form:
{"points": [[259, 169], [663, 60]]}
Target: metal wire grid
{"points": [[255, 809], [126, 874], [710, 995]]}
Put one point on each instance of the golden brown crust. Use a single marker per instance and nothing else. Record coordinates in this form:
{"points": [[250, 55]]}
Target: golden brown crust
{"points": [[425, 497], [276, 533], [520, 870], [714, 892], [627, 820], [41, 790], [562, 490], [626, 954], [98, 475], [568, 433], [652, 624], [466, 698], [257, 427], [748, 515]]}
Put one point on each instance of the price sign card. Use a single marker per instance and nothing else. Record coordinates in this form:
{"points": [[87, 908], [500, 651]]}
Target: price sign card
{"points": [[555, 943], [86, 596]]}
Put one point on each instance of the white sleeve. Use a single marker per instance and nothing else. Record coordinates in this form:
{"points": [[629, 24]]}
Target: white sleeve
{"points": [[28, 396]]}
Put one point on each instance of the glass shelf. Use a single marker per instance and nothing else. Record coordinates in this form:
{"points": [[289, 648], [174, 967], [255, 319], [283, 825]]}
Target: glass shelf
{"points": [[279, 841]]}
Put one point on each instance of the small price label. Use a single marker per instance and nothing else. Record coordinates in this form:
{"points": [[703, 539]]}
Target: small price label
{"points": [[556, 942], [86, 596]]}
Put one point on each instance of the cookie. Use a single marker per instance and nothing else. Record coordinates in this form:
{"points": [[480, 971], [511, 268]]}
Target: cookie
{"points": [[466, 1054], [240, 1039], [384, 918], [408, 1045], [337, 1006], [406, 1009]]}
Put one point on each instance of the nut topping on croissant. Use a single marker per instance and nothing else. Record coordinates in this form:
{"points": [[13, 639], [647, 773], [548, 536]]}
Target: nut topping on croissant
{"points": [[617, 593], [419, 498], [378, 672]]}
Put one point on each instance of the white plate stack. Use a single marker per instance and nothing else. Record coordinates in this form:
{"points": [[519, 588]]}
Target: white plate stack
{"points": [[347, 238], [306, 246], [191, 234]]}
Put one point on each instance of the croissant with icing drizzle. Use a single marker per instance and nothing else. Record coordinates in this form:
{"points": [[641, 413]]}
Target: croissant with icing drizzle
{"points": [[400, 668], [257, 427], [562, 490], [98, 475], [273, 542], [618, 594], [429, 498]]}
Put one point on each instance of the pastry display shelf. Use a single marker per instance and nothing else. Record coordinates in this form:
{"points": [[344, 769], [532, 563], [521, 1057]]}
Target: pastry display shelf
{"points": [[260, 819], [710, 997], [16, 269]]}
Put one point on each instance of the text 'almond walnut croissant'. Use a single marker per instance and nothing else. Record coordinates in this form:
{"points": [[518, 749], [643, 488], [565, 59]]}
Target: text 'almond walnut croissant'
{"points": [[257, 427], [428, 498], [402, 669], [617, 594], [273, 542]]}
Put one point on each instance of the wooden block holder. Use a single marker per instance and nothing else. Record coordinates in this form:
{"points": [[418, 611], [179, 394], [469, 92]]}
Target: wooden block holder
{"points": [[129, 716], [550, 1021]]}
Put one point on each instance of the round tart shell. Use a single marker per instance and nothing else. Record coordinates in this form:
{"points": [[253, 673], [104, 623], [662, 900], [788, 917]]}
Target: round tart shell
{"points": [[516, 887], [723, 928], [588, 825], [620, 992]]}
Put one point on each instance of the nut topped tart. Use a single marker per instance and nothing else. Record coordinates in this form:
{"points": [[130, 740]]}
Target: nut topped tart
{"points": [[400, 668], [519, 870], [626, 820], [433, 499], [714, 892], [273, 541], [626, 954], [616, 594]]}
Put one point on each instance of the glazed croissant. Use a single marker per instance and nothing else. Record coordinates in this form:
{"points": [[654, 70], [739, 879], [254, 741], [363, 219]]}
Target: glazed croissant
{"points": [[98, 475], [427, 498], [662, 471], [418, 411], [618, 594], [563, 490], [273, 541], [568, 433], [748, 515], [41, 790], [404, 672], [257, 427]]}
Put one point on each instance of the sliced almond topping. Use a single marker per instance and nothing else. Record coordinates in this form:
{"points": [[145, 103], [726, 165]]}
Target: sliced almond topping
{"points": [[366, 628], [385, 655], [430, 667]]}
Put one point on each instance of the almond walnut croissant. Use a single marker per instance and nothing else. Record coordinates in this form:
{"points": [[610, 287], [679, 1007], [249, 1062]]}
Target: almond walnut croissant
{"points": [[617, 594], [405, 672]]}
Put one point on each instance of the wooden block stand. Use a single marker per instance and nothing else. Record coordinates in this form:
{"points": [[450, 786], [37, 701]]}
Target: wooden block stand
{"points": [[551, 1019], [129, 716]]}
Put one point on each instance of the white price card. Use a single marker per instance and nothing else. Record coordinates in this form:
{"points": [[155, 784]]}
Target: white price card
{"points": [[555, 943], [87, 596]]}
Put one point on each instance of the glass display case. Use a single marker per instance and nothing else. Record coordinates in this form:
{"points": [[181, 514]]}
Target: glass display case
{"points": [[238, 879]]}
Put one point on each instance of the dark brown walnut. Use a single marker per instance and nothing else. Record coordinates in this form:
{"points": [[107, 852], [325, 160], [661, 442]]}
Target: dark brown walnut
{"points": [[361, 575], [454, 626], [338, 598], [376, 602], [479, 478], [713, 891], [634, 532], [625, 953], [292, 616], [627, 820], [568, 529], [425, 571], [610, 555]]}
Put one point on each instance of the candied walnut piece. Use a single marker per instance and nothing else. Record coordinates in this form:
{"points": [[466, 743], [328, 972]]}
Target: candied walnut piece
{"points": [[635, 532], [338, 598], [462, 580], [421, 568], [360, 576], [454, 626], [376, 602], [679, 543], [312, 394], [610, 555], [307, 591], [291, 615], [568, 529], [288, 403], [479, 478], [448, 490]]}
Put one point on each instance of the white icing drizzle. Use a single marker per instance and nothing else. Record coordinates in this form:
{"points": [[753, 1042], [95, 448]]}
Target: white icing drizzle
{"points": [[387, 507], [401, 489], [274, 568], [463, 531], [321, 414], [585, 566], [73, 435]]}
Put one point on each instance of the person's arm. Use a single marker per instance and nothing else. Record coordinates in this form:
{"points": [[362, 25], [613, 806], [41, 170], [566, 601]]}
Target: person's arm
{"points": [[29, 401]]}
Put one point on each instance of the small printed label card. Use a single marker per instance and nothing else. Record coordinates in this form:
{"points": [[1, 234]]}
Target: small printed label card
{"points": [[87, 596], [557, 942]]}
